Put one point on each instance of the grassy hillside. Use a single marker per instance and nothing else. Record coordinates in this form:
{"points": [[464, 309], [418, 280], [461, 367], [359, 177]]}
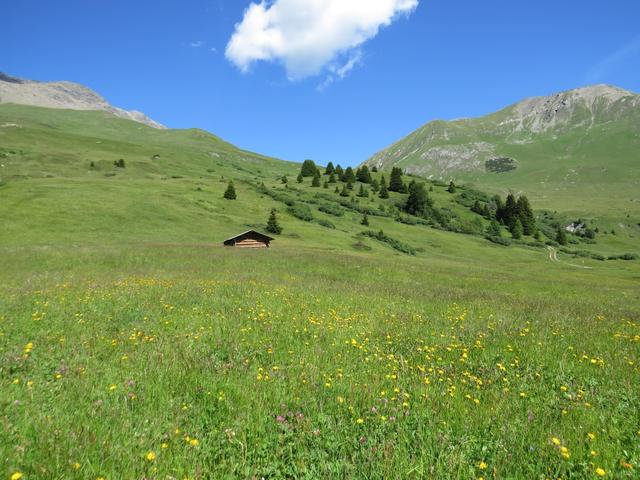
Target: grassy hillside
{"points": [[572, 154], [133, 345]]}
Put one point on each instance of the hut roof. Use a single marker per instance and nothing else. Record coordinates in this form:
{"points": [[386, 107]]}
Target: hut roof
{"points": [[253, 232]]}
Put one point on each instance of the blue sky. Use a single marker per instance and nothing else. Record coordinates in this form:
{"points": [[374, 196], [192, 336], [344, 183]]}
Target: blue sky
{"points": [[439, 60]]}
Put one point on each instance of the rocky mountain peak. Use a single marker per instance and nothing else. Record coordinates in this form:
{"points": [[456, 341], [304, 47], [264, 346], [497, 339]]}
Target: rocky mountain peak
{"points": [[62, 95]]}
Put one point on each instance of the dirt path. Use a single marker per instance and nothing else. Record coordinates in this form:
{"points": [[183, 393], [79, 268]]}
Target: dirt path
{"points": [[553, 256]]}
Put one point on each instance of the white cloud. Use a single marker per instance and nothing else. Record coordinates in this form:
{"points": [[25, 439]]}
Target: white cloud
{"points": [[338, 71], [196, 44], [309, 35]]}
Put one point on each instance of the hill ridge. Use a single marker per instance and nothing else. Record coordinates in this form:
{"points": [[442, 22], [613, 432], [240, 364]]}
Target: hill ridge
{"points": [[63, 95]]}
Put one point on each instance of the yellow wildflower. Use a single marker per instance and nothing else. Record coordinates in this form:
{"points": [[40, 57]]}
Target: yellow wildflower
{"points": [[601, 472], [150, 456], [482, 465], [16, 476]]}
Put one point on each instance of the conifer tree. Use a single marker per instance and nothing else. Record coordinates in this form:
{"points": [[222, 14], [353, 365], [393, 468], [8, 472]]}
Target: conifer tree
{"points": [[452, 187], [349, 176], [272, 223], [300, 179], [363, 175], [561, 236], [284, 179], [230, 192], [308, 168], [418, 199], [395, 181], [350, 185], [509, 211], [316, 179], [384, 192], [477, 208], [337, 190], [330, 169], [375, 186], [365, 220], [493, 229], [325, 184], [362, 192], [516, 230], [339, 172], [332, 177], [526, 216], [344, 192]]}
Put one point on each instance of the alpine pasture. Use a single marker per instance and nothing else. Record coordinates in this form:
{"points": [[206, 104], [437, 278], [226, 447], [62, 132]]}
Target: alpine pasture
{"points": [[134, 345]]}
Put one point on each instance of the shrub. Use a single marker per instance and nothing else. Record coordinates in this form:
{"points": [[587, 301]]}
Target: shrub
{"points": [[301, 211], [624, 256], [331, 209], [326, 224], [395, 244], [499, 240]]}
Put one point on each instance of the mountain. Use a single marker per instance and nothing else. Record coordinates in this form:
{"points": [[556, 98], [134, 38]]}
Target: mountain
{"points": [[63, 95], [565, 148]]}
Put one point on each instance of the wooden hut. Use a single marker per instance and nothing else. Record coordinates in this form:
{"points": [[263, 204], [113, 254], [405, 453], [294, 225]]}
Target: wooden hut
{"points": [[249, 239]]}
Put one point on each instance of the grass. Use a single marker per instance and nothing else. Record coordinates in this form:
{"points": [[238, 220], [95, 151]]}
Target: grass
{"points": [[575, 169], [429, 368], [133, 345]]}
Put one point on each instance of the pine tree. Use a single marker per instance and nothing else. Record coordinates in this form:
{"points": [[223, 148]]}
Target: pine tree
{"points": [[561, 236], [350, 185], [332, 177], [284, 179], [526, 216], [272, 223], [325, 184], [375, 186], [363, 175], [384, 192], [395, 181], [300, 179], [452, 187], [362, 192], [509, 211], [477, 208], [230, 192], [516, 230], [308, 168], [339, 172], [316, 179], [418, 199], [344, 192], [337, 190], [349, 176], [330, 169], [365, 220], [493, 229]]}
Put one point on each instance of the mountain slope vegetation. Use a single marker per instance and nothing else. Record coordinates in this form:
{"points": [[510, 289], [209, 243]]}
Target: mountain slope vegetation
{"points": [[576, 151], [381, 336]]}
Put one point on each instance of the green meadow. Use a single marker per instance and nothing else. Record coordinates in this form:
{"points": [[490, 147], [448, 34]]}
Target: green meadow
{"points": [[133, 345]]}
